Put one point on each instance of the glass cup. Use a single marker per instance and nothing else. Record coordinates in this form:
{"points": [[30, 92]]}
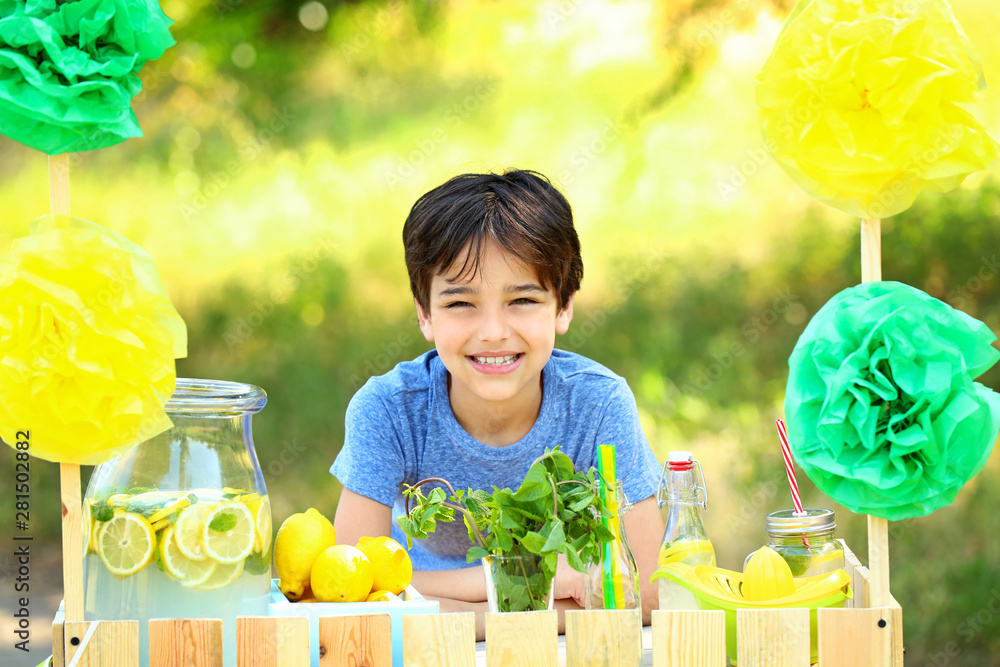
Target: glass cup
{"points": [[518, 583]]}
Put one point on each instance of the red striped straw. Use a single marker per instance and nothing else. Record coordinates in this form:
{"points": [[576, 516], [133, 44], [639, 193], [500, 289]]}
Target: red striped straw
{"points": [[787, 454]]}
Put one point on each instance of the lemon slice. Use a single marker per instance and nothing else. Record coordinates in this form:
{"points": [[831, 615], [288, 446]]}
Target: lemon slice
{"points": [[249, 499], [222, 576], [171, 508], [228, 532], [187, 532], [680, 551], [262, 519], [188, 572], [126, 543]]}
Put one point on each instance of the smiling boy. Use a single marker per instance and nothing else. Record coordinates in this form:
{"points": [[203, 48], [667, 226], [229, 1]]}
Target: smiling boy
{"points": [[494, 262]]}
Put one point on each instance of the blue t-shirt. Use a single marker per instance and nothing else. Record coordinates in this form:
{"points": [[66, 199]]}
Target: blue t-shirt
{"points": [[400, 429]]}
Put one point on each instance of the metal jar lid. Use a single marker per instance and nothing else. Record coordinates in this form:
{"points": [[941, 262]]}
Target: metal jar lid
{"points": [[783, 522]]}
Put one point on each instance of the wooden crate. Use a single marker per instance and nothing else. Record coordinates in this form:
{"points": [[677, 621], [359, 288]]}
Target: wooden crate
{"points": [[855, 636]]}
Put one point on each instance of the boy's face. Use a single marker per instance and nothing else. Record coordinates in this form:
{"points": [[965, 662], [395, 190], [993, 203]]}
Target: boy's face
{"points": [[494, 331]]}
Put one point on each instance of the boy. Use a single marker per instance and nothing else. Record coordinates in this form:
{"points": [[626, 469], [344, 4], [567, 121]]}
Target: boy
{"points": [[494, 262]]}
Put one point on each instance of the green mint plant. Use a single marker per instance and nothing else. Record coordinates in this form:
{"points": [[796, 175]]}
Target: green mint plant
{"points": [[556, 510]]}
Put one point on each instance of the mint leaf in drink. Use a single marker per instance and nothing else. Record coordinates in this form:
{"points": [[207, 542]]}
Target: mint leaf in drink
{"points": [[101, 512], [223, 522], [257, 564]]}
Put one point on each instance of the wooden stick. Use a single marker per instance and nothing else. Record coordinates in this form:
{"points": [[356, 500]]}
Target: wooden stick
{"points": [[59, 184], [69, 473], [878, 529], [871, 250]]}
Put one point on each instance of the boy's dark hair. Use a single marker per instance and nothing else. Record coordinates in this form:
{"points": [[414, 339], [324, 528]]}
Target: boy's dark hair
{"points": [[519, 210]]}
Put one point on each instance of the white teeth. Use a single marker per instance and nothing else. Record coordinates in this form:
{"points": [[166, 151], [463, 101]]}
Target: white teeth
{"points": [[495, 361]]}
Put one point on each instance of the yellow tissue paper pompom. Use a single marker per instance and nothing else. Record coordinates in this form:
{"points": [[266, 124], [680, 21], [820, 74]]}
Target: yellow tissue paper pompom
{"points": [[860, 102], [88, 338]]}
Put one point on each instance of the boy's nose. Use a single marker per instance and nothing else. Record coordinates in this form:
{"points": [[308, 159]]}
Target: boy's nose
{"points": [[493, 326]]}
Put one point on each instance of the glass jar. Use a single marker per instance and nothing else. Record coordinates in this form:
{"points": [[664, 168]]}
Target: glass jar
{"points": [[517, 583], [617, 561], [180, 525], [805, 542]]}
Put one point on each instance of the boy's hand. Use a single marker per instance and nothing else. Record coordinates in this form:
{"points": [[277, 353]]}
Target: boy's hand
{"points": [[569, 582]]}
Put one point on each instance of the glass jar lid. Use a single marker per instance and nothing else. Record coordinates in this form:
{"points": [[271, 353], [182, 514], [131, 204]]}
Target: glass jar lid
{"points": [[784, 522], [214, 398]]}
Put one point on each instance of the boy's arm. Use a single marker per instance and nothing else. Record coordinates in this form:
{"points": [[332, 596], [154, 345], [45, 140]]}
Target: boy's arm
{"points": [[357, 516], [644, 530]]}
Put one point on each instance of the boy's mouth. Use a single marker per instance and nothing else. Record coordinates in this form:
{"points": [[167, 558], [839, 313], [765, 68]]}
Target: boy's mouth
{"points": [[497, 364]]}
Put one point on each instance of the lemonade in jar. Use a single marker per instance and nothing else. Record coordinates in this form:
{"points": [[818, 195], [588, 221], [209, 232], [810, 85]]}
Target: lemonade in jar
{"points": [[180, 526]]}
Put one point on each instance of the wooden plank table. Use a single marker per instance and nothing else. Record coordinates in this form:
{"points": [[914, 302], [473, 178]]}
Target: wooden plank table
{"points": [[647, 650]]}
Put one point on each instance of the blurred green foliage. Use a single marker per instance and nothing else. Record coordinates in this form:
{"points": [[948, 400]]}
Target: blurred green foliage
{"points": [[278, 164]]}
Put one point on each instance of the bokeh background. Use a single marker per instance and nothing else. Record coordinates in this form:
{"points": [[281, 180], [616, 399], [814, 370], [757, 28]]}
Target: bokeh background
{"points": [[285, 142]]}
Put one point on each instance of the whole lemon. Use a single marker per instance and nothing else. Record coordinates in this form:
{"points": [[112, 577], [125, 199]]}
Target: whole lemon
{"points": [[342, 574], [392, 565], [300, 539]]}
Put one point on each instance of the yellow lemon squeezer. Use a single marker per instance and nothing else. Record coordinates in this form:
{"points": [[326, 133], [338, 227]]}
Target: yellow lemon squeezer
{"points": [[767, 583]]}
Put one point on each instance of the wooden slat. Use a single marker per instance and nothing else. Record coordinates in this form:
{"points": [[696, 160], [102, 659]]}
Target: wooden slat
{"points": [[185, 642], [854, 638], [349, 641], [604, 638], [857, 572], [58, 636], [860, 586], [432, 640], [522, 639], [72, 539], [102, 644], [689, 638], [772, 637], [272, 642]]}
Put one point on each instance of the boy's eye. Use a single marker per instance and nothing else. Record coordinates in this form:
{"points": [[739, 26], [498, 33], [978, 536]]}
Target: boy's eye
{"points": [[524, 300], [457, 304]]}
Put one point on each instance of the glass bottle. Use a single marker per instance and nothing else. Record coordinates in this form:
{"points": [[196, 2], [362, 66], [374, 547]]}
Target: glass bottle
{"points": [[180, 525], [623, 561], [805, 542], [684, 539]]}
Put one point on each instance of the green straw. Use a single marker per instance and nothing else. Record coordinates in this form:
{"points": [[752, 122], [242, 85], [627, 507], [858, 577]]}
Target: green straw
{"points": [[606, 555]]}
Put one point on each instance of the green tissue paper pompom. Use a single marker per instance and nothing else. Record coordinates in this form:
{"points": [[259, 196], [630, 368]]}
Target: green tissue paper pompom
{"points": [[68, 69], [883, 414]]}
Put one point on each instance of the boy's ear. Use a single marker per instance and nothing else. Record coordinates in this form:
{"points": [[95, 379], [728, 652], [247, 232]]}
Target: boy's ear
{"points": [[564, 317], [424, 320]]}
